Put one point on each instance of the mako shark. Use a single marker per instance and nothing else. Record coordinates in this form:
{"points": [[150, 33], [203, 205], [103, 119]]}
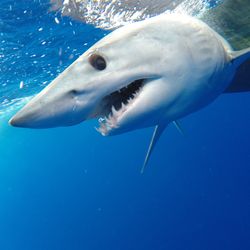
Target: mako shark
{"points": [[145, 74]]}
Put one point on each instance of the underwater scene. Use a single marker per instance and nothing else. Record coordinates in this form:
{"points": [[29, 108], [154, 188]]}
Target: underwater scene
{"points": [[65, 186]]}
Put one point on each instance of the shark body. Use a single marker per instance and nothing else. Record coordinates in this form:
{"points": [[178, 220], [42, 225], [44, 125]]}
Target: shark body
{"points": [[144, 74]]}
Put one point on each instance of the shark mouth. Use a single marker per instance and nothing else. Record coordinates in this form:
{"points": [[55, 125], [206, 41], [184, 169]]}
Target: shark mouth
{"points": [[114, 105]]}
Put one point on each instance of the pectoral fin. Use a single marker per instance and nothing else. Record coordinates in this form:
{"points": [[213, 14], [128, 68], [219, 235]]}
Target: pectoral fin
{"points": [[241, 80], [178, 127], [155, 137]]}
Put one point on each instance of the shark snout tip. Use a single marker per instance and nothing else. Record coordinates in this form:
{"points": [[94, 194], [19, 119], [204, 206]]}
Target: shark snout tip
{"points": [[11, 122], [15, 121], [21, 119]]}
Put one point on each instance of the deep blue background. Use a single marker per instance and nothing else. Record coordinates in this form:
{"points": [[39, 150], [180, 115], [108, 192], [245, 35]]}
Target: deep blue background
{"points": [[70, 188]]}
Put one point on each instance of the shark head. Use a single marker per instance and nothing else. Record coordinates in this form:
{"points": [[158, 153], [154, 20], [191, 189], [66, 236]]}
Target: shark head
{"points": [[119, 81], [132, 78]]}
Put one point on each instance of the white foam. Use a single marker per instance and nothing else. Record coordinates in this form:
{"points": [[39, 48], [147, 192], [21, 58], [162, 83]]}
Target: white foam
{"points": [[8, 107], [112, 14]]}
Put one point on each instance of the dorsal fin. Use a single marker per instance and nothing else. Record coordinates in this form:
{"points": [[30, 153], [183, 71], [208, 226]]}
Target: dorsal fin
{"points": [[241, 80], [155, 137]]}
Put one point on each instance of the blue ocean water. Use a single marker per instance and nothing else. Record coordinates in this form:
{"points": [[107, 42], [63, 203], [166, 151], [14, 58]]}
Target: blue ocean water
{"points": [[70, 188]]}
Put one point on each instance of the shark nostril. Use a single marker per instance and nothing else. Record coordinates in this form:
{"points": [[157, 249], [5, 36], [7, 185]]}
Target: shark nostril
{"points": [[73, 92]]}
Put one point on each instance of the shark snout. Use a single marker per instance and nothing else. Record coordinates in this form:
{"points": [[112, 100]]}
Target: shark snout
{"points": [[34, 115], [48, 112], [22, 119]]}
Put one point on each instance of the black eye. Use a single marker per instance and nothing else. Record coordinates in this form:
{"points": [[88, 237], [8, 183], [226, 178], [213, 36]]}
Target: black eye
{"points": [[97, 61]]}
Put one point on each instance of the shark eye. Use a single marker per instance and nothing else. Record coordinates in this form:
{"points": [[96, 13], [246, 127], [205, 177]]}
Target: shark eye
{"points": [[97, 61]]}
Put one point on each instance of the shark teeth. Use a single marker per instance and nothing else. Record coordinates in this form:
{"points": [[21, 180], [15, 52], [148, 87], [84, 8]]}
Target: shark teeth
{"points": [[110, 122]]}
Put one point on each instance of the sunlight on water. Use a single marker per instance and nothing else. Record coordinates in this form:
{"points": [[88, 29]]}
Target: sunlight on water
{"points": [[193, 7], [116, 13]]}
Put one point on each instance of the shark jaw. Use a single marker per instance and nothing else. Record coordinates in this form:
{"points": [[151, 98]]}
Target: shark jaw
{"points": [[116, 104], [117, 111]]}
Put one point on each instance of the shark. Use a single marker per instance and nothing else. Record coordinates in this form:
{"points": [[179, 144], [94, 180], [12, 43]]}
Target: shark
{"points": [[146, 74]]}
